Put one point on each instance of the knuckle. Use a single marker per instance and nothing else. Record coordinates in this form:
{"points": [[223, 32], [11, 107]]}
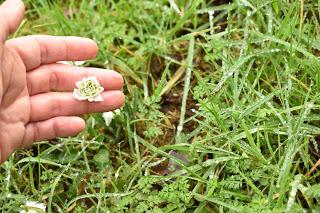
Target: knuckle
{"points": [[36, 132], [53, 79], [57, 127], [29, 85]]}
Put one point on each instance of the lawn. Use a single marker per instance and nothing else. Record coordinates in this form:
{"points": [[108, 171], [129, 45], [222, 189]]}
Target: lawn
{"points": [[221, 114]]}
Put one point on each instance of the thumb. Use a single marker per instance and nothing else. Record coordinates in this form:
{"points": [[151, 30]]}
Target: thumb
{"points": [[11, 15]]}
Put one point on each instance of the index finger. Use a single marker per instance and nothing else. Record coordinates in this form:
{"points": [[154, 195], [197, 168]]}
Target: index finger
{"points": [[42, 49], [11, 14], [60, 77]]}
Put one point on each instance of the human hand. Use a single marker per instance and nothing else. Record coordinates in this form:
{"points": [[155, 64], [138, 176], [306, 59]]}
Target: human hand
{"points": [[29, 109]]}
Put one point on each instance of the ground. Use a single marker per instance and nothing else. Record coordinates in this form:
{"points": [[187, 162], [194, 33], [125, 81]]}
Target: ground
{"points": [[221, 115]]}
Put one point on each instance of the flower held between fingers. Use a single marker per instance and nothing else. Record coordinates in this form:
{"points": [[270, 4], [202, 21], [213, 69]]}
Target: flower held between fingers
{"points": [[88, 89]]}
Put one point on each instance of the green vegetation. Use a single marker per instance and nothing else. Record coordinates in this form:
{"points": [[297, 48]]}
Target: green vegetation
{"points": [[242, 85]]}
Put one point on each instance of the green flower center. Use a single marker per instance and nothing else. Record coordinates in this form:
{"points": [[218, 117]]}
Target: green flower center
{"points": [[89, 88]]}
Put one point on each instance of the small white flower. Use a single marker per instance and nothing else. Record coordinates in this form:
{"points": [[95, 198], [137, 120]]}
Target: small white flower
{"points": [[88, 89], [77, 63], [33, 207], [108, 116]]}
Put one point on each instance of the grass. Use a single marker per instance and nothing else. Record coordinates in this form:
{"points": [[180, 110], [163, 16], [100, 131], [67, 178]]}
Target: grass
{"points": [[242, 83]]}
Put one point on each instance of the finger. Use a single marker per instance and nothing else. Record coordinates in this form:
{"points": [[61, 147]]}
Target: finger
{"points": [[49, 105], [42, 49], [52, 128], [59, 77], [11, 15]]}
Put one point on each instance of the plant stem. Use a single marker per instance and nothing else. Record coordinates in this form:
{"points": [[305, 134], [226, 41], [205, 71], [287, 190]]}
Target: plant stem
{"points": [[186, 87]]}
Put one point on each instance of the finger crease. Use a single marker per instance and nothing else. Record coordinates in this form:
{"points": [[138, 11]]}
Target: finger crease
{"points": [[44, 51], [55, 128], [36, 132], [53, 79]]}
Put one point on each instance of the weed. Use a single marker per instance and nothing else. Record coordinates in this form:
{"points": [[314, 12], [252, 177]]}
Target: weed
{"points": [[243, 83]]}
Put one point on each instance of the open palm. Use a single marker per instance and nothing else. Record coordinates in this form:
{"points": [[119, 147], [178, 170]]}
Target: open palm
{"points": [[36, 101]]}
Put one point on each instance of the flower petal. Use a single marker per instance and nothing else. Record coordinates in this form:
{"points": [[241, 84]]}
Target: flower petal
{"points": [[65, 62], [108, 117], [101, 90], [78, 84], [77, 95], [98, 98], [79, 63]]}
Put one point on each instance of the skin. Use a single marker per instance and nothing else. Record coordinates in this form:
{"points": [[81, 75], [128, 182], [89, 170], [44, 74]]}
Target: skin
{"points": [[29, 73]]}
